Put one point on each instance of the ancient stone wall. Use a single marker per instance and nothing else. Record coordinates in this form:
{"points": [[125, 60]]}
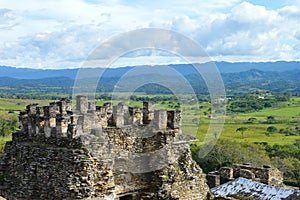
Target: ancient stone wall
{"points": [[266, 174], [119, 152], [52, 169]]}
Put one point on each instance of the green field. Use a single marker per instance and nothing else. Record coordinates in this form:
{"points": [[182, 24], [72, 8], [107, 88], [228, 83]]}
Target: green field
{"points": [[291, 110], [286, 115], [18, 104]]}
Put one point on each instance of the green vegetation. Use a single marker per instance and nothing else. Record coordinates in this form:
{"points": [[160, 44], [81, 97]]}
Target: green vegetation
{"points": [[227, 152], [18, 104], [287, 159], [261, 128], [270, 135], [8, 124], [242, 130]]}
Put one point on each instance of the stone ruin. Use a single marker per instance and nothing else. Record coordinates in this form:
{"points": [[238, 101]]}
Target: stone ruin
{"points": [[100, 152], [266, 174], [244, 181]]}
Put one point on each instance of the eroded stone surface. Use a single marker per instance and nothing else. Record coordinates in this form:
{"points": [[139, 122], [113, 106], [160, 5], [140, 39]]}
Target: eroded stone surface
{"points": [[114, 152], [266, 174]]}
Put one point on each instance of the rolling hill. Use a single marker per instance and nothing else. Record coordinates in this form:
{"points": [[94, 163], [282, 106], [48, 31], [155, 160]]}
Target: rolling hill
{"points": [[185, 69], [239, 78]]}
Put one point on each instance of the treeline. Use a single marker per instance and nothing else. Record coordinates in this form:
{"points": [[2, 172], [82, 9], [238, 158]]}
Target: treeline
{"points": [[155, 99], [226, 153], [36, 95], [255, 101]]}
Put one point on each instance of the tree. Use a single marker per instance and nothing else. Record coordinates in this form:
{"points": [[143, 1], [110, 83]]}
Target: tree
{"points": [[270, 119], [297, 143], [4, 128], [228, 153], [251, 120], [242, 130], [271, 129], [290, 169], [8, 125]]}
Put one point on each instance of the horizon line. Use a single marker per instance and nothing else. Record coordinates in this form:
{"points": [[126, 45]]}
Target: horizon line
{"points": [[150, 65]]}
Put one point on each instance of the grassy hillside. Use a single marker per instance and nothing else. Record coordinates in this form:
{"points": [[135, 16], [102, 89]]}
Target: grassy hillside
{"points": [[18, 104]]}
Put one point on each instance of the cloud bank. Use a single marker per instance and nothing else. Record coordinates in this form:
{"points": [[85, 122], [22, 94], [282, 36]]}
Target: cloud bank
{"points": [[52, 34]]}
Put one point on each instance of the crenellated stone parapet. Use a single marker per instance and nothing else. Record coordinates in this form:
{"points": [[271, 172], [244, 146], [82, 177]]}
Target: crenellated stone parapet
{"points": [[46, 121], [58, 120]]}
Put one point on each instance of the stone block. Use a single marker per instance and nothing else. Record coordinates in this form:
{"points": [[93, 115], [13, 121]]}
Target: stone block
{"points": [[92, 106], [82, 104], [62, 125], [213, 180], [244, 173], [64, 106], [137, 115], [47, 128], [148, 112], [161, 119], [23, 119], [31, 109], [122, 115], [226, 172], [174, 119]]}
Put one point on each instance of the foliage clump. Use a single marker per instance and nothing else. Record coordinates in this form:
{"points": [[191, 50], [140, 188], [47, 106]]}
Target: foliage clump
{"points": [[227, 153]]}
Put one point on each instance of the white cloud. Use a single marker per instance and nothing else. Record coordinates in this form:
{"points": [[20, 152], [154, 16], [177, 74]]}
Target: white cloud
{"points": [[72, 43], [184, 24], [250, 30], [54, 34], [289, 11], [6, 19]]}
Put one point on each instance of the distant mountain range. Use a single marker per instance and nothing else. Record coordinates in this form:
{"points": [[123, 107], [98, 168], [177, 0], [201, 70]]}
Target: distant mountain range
{"points": [[185, 69], [239, 78], [27, 73]]}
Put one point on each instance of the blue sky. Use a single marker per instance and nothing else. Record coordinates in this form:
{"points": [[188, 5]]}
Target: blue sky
{"points": [[61, 34], [271, 4]]}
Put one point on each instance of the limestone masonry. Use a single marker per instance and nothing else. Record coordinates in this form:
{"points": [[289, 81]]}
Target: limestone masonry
{"points": [[266, 174], [103, 152]]}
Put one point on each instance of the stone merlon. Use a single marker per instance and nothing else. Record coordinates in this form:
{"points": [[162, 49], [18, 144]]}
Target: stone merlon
{"points": [[58, 120]]}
